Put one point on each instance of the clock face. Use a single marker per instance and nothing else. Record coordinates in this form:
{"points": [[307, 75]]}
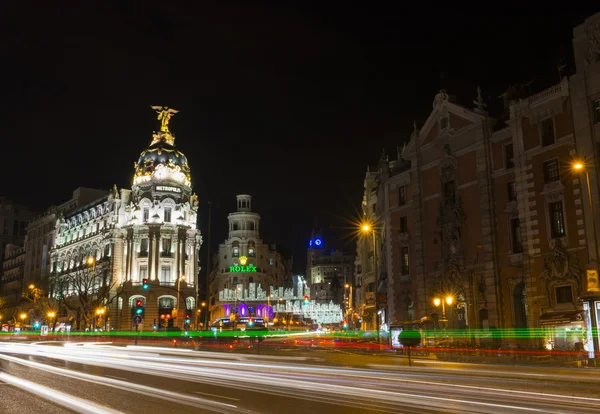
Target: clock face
{"points": [[318, 242], [243, 260]]}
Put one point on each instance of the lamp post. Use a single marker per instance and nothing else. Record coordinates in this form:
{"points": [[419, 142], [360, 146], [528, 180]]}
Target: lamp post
{"points": [[592, 298], [182, 277], [366, 228], [23, 316], [51, 316], [447, 300], [349, 305]]}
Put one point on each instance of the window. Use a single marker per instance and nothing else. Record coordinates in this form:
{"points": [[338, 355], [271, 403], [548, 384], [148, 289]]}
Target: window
{"points": [[236, 250], [596, 108], [166, 246], [402, 195], [143, 273], [509, 154], [251, 226], [547, 131], [515, 235], [557, 220], [271, 261], [512, 191], [404, 224], [404, 261], [235, 226], [449, 192], [167, 214], [144, 246], [165, 274], [251, 251], [551, 172], [564, 294], [146, 214]]}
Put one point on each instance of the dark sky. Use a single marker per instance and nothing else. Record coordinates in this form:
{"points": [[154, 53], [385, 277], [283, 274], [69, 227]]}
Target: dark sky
{"points": [[287, 102]]}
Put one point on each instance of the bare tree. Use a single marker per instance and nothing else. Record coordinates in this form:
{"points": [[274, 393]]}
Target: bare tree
{"points": [[82, 291]]}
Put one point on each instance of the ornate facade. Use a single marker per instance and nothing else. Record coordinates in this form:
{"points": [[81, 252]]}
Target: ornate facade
{"points": [[246, 269], [105, 250], [492, 212]]}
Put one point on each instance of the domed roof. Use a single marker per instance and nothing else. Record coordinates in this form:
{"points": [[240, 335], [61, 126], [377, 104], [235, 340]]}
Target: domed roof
{"points": [[162, 161]]}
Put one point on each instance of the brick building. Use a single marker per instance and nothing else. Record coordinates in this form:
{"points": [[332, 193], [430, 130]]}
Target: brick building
{"points": [[490, 211]]}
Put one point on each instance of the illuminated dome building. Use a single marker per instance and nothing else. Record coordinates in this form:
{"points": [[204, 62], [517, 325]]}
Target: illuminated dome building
{"points": [[129, 236]]}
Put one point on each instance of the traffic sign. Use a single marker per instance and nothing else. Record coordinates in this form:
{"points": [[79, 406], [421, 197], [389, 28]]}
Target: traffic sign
{"points": [[137, 319]]}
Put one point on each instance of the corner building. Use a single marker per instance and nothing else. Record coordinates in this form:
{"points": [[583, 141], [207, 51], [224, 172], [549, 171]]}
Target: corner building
{"points": [[106, 248], [246, 269]]}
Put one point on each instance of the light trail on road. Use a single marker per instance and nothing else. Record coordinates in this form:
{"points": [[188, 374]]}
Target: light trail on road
{"points": [[228, 382]]}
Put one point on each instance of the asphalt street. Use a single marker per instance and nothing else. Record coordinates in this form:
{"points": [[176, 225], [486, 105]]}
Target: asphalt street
{"points": [[102, 378]]}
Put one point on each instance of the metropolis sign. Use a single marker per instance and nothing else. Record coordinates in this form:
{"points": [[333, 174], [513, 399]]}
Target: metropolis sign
{"points": [[168, 188]]}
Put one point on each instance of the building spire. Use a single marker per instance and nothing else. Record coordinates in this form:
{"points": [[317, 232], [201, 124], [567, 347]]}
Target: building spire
{"points": [[480, 105]]}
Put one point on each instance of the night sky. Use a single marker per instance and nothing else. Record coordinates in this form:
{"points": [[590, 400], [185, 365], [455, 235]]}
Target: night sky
{"points": [[288, 103]]}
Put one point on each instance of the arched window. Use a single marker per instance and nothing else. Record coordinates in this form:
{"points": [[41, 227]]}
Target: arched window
{"points": [[251, 251], [236, 249]]}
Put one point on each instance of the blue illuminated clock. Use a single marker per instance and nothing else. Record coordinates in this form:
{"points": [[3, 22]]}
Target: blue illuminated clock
{"points": [[318, 242]]}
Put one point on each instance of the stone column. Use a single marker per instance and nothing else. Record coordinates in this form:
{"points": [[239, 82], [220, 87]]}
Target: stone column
{"points": [[156, 252], [151, 274]]}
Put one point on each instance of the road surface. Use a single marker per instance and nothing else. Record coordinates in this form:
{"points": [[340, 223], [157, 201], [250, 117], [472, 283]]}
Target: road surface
{"points": [[101, 378]]}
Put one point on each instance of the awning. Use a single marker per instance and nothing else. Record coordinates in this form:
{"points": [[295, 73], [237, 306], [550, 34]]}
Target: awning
{"points": [[561, 318]]}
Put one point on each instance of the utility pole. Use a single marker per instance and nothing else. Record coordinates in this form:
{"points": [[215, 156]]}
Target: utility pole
{"points": [[208, 268]]}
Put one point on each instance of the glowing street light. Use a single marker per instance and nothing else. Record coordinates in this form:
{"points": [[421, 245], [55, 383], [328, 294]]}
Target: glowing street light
{"points": [[368, 228], [447, 300]]}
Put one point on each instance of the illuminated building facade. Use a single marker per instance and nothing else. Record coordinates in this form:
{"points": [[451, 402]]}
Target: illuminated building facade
{"points": [[106, 249], [246, 268]]}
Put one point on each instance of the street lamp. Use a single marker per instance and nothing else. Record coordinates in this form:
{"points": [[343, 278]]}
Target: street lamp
{"points": [[366, 228], [592, 299], [100, 313], [447, 300], [350, 303]]}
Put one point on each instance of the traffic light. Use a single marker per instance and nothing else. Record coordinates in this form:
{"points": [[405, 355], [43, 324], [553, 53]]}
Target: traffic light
{"points": [[36, 324], [188, 317], [250, 322], [139, 307], [345, 324], [306, 300], [145, 285]]}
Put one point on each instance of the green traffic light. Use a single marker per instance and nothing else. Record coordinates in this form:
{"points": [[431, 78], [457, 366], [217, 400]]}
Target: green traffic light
{"points": [[139, 311], [145, 287]]}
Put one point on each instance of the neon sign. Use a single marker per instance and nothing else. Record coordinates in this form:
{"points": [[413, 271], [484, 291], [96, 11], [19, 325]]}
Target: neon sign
{"points": [[242, 269], [318, 242]]}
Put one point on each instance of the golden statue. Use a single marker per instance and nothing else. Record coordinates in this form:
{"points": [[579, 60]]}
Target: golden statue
{"points": [[164, 115]]}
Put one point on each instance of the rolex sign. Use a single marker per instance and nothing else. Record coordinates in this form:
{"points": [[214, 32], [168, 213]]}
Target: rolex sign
{"points": [[593, 285]]}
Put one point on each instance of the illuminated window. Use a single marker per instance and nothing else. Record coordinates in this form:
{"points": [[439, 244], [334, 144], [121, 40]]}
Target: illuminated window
{"points": [[251, 251], [146, 214], [236, 250], [404, 268]]}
